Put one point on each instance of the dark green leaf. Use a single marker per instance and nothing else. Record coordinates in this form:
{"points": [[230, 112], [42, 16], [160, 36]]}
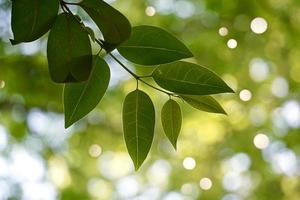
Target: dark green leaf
{"points": [[149, 45], [171, 120], [138, 125], [82, 98], [31, 19], [69, 51], [204, 103], [114, 26], [187, 78]]}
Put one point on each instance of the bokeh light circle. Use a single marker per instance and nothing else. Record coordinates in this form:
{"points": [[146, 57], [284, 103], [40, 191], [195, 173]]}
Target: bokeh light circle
{"points": [[205, 183], [261, 141], [259, 25]]}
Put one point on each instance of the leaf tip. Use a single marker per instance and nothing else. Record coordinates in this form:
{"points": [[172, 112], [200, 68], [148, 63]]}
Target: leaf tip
{"points": [[174, 144], [136, 167], [230, 90], [224, 112], [68, 123], [13, 42]]}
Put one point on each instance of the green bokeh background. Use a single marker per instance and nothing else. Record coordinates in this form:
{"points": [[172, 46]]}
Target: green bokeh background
{"points": [[39, 159]]}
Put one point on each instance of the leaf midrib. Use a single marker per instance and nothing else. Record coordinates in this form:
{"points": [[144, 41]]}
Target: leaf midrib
{"points": [[172, 122], [36, 11], [136, 128], [155, 48], [82, 93], [192, 83]]}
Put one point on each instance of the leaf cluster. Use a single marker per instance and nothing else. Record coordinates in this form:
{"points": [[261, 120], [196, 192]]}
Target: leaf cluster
{"points": [[86, 77]]}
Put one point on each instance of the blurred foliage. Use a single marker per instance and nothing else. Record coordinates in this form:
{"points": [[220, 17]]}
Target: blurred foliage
{"points": [[39, 159]]}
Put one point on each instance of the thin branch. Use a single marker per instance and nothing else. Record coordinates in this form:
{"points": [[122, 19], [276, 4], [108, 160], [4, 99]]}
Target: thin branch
{"points": [[124, 67]]}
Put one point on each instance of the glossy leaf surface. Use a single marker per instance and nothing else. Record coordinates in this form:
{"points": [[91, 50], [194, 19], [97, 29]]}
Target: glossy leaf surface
{"points": [[149, 45], [188, 78]]}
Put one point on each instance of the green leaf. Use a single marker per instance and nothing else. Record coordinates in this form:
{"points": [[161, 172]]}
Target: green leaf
{"points": [[204, 103], [138, 125], [114, 26], [187, 78], [82, 98], [171, 119], [30, 19], [149, 45], [69, 51]]}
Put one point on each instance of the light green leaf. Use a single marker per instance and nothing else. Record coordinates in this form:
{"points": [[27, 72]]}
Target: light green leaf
{"points": [[187, 78], [204, 103], [114, 26], [82, 98], [171, 119], [149, 45], [138, 125], [30, 19], [69, 51]]}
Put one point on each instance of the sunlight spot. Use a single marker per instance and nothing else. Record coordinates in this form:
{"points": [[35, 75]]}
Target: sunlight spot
{"points": [[95, 150], [232, 43], [3, 138], [114, 165], [158, 173], [205, 183], [261, 141], [258, 69], [189, 163], [291, 113], [99, 188], [184, 9], [190, 189], [38, 191], [165, 6], [4, 169], [259, 25], [58, 172], [280, 87], [128, 187], [231, 196], [173, 196], [245, 95], [258, 115], [2, 84], [150, 11], [223, 31], [26, 166]]}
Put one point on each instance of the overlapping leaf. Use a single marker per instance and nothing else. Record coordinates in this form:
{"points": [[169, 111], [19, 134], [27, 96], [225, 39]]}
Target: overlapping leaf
{"points": [[204, 103], [82, 98], [187, 78], [114, 26], [149, 45], [31, 19], [138, 125], [69, 51], [171, 119]]}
